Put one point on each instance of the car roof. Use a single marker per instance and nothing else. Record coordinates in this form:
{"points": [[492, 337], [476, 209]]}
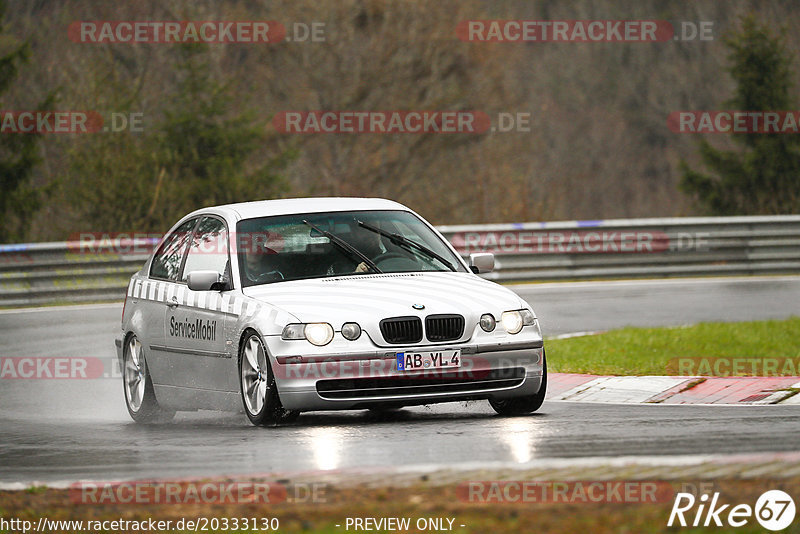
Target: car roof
{"points": [[288, 206]]}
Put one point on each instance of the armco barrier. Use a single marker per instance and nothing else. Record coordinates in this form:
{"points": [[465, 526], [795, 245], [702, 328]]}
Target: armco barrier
{"points": [[43, 273], [630, 248]]}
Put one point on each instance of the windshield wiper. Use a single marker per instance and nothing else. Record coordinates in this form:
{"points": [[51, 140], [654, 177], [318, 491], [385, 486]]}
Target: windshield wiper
{"points": [[399, 239], [344, 245]]}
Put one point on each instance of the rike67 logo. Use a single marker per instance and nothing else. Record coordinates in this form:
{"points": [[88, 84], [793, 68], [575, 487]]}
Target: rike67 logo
{"points": [[774, 510]]}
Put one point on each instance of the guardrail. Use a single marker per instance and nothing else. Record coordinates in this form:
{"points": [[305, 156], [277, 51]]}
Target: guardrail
{"points": [[43, 273], [630, 248]]}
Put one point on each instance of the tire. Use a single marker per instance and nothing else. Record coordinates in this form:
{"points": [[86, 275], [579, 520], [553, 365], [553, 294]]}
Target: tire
{"points": [[523, 405], [137, 386], [260, 398]]}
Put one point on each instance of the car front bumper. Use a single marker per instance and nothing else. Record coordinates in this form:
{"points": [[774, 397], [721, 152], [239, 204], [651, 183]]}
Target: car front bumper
{"points": [[366, 379]]}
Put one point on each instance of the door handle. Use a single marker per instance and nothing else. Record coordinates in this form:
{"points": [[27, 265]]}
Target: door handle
{"points": [[173, 303]]}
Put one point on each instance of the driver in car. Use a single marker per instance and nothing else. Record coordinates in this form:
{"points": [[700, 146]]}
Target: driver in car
{"points": [[256, 255], [369, 243]]}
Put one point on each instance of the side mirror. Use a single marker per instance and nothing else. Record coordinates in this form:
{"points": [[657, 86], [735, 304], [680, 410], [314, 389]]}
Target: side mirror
{"points": [[206, 281], [481, 262]]}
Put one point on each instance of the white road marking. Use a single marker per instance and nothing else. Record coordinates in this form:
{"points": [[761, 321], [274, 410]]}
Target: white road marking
{"points": [[467, 469], [651, 282], [72, 307], [622, 389], [576, 334]]}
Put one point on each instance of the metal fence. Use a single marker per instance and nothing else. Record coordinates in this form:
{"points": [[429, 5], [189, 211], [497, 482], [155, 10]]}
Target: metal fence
{"points": [[633, 248], [43, 273]]}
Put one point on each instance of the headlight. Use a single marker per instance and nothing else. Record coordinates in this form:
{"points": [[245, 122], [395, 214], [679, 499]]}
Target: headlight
{"points": [[487, 322], [316, 333], [351, 331], [512, 321]]}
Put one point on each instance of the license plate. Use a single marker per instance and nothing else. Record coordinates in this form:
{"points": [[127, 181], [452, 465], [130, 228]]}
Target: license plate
{"points": [[441, 359]]}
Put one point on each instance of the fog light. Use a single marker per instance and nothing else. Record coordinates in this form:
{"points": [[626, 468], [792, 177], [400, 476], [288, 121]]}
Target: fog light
{"points": [[351, 331], [318, 333], [487, 322]]}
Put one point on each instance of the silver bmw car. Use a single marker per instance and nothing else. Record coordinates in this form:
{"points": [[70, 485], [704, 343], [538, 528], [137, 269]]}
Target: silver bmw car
{"points": [[283, 306]]}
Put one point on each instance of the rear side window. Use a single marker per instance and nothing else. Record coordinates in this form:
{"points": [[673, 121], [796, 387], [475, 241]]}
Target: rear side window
{"points": [[167, 261], [209, 248]]}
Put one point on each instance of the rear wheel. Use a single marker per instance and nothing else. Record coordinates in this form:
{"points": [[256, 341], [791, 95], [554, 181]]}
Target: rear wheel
{"points": [[259, 392], [523, 405], [140, 398]]}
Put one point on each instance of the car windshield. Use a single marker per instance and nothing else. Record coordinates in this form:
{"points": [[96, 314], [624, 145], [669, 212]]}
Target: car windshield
{"points": [[318, 245]]}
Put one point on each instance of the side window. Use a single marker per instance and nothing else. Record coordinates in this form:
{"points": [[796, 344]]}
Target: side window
{"points": [[208, 250], [167, 261]]}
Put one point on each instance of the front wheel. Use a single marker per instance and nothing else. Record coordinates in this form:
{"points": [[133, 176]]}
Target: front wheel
{"points": [[259, 392], [523, 405], [140, 398]]}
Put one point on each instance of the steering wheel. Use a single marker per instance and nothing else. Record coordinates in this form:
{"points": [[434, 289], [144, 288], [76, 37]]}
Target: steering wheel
{"points": [[388, 256], [269, 276]]}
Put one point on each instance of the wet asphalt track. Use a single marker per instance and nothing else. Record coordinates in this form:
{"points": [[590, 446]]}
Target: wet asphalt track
{"points": [[62, 430]]}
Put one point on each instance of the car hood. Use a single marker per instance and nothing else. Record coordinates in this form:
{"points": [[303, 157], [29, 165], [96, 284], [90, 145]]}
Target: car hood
{"points": [[369, 298]]}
